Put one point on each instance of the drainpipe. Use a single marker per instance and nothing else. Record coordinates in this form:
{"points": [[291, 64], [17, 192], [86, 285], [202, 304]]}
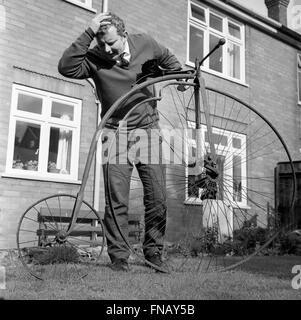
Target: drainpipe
{"points": [[98, 176], [98, 166], [105, 5]]}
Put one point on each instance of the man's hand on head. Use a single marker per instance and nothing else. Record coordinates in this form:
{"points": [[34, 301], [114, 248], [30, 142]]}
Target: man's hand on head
{"points": [[100, 20]]}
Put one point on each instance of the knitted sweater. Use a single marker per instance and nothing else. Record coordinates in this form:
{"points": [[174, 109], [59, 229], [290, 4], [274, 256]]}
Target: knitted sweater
{"points": [[111, 80]]}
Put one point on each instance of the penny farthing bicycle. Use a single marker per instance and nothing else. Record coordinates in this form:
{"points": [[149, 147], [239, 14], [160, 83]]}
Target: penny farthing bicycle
{"points": [[217, 155]]}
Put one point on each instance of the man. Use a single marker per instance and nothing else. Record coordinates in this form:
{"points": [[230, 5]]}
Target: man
{"points": [[115, 63]]}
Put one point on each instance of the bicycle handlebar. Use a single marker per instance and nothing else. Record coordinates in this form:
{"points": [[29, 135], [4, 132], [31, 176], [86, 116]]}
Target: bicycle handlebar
{"points": [[221, 42], [159, 71], [162, 72]]}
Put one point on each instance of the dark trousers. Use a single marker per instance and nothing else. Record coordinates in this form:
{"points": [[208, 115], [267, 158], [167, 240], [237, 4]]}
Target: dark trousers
{"points": [[152, 176]]}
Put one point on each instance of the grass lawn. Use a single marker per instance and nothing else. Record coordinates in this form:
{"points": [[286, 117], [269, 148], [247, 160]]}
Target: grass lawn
{"points": [[260, 278]]}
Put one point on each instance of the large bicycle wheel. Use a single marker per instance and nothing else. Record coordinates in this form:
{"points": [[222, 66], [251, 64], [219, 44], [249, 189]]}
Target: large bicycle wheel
{"points": [[220, 205], [45, 248]]}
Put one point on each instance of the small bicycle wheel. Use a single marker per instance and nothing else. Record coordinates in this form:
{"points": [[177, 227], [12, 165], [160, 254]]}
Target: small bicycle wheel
{"points": [[45, 248], [221, 206]]}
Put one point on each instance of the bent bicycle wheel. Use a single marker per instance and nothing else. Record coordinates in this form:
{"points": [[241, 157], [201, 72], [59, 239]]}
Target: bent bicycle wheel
{"points": [[45, 248], [220, 206]]}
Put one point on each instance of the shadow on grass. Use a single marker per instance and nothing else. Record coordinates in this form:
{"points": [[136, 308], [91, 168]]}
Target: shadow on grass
{"points": [[270, 266], [142, 283]]}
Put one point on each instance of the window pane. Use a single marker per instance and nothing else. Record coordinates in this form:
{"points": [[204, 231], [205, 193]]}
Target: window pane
{"points": [[196, 44], [218, 139], [193, 189], [237, 178], [62, 111], [59, 159], [26, 149], [216, 190], [29, 103], [216, 22], [198, 13], [193, 134], [234, 30], [299, 61], [220, 163], [236, 143], [216, 59], [234, 60], [193, 152]]}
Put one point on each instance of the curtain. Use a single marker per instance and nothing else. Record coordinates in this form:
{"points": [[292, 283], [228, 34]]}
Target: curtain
{"points": [[64, 149]]}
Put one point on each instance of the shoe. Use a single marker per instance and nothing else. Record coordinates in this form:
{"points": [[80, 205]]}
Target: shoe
{"points": [[156, 260], [120, 265]]}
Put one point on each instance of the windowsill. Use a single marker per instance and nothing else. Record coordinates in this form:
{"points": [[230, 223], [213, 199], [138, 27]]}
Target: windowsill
{"points": [[76, 3], [219, 75], [199, 202], [37, 177], [193, 202]]}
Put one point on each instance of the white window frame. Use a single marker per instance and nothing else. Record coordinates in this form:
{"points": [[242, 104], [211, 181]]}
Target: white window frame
{"points": [[225, 34], [86, 5], [229, 152], [45, 121]]}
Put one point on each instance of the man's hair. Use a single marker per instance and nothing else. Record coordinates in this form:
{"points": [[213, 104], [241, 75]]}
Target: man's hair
{"points": [[118, 23]]}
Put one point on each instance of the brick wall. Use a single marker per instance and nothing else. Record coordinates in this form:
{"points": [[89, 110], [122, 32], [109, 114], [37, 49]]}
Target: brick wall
{"points": [[165, 20], [32, 39], [272, 78]]}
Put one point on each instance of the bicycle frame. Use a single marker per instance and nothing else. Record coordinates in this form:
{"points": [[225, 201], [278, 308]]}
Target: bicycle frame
{"points": [[173, 75]]}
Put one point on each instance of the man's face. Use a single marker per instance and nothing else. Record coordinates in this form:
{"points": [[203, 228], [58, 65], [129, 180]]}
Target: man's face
{"points": [[112, 43]]}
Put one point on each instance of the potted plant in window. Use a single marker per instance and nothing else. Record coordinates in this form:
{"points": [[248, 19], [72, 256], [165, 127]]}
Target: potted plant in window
{"points": [[18, 164], [32, 165], [52, 167]]}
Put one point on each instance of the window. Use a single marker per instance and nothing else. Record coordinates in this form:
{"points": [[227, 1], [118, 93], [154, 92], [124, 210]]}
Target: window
{"points": [[231, 163], [206, 28], [44, 135], [299, 77], [86, 4]]}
